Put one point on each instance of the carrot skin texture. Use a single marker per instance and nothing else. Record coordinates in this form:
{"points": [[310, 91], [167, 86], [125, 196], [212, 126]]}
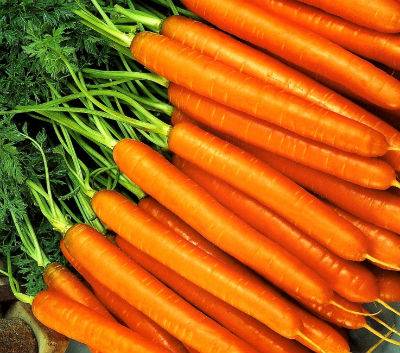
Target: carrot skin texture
{"points": [[255, 63], [228, 282], [250, 175], [350, 279], [185, 67], [147, 294], [198, 209], [389, 285], [381, 47], [78, 322], [242, 325], [380, 15], [368, 172], [301, 47], [381, 208]]}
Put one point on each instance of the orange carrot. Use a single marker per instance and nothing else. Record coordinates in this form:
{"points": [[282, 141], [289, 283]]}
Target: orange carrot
{"points": [[229, 282], [368, 172], [351, 280], [255, 63], [197, 208], [381, 47], [258, 335], [169, 219], [186, 67], [129, 315], [380, 15], [301, 47], [82, 324], [147, 294], [389, 285]]}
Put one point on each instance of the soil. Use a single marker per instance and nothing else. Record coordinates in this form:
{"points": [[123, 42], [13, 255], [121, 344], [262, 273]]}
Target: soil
{"points": [[16, 337]]}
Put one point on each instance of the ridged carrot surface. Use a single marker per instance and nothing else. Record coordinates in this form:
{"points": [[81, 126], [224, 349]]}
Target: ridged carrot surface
{"points": [[389, 285], [202, 74], [300, 47]]}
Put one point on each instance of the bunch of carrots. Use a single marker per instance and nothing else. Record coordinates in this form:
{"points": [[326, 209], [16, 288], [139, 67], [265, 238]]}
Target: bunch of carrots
{"points": [[267, 208]]}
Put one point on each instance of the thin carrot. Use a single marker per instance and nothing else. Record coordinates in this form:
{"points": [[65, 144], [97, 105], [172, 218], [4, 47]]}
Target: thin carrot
{"points": [[198, 209], [244, 326], [229, 282], [349, 279], [368, 172], [129, 315], [80, 323], [147, 294], [301, 47], [389, 285], [250, 175], [381, 47], [190, 69], [169, 219], [384, 245], [380, 15]]}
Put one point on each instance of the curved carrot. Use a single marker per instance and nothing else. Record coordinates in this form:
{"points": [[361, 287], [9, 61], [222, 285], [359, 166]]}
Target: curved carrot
{"points": [[381, 208], [301, 47], [129, 315], [349, 279], [169, 219], [250, 175], [225, 49], [147, 294], [380, 15], [250, 330], [187, 67], [381, 47], [84, 325], [368, 172], [198, 209], [389, 285], [229, 282]]}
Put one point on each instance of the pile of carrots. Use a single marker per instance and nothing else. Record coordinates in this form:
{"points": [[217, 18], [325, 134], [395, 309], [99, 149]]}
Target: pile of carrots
{"points": [[278, 216]]}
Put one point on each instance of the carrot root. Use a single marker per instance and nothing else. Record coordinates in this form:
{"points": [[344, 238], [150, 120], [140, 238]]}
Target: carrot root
{"points": [[381, 336], [387, 306], [354, 311], [382, 263]]}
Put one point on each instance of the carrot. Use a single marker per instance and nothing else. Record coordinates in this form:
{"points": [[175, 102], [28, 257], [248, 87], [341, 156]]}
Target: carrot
{"points": [[381, 47], [126, 313], [380, 15], [60, 279], [384, 245], [190, 69], [242, 325], [250, 175], [255, 63], [393, 159], [363, 171], [192, 263], [147, 294], [301, 47], [389, 285], [169, 219], [381, 208], [82, 324], [351, 280]]}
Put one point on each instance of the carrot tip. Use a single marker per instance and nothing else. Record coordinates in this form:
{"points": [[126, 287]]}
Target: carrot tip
{"points": [[354, 311], [396, 184], [384, 324], [382, 263], [378, 334], [387, 306]]}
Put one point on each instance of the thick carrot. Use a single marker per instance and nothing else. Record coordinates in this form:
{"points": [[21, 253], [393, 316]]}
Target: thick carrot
{"points": [[255, 63], [301, 47], [229, 282], [60, 279], [244, 326], [384, 245], [80, 323], [197, 208], [381, 47], [381, 208], [250, 175], [193, 70], [380, 15], [368, 172], [169, 219], [129, 315], [349, 279], [147, 294], [389, 285]]}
